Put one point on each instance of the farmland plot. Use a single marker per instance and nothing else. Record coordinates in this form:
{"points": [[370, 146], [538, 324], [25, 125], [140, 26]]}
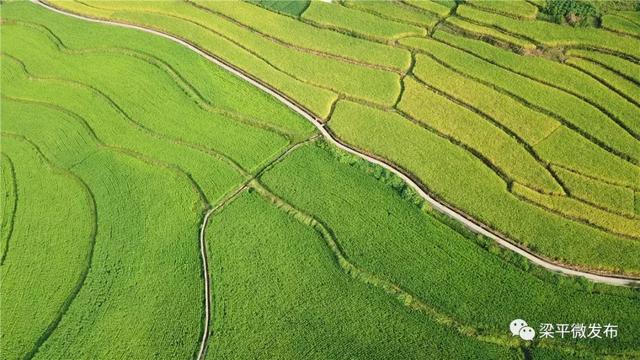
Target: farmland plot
{"points": [[50, 251], [447, 167], [512, 92], [404, 244], [321, 256], [114, 265], [306, 306]]}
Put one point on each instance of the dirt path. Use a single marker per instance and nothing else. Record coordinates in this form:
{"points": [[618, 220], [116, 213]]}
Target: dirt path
{"points": [[467, 221]]}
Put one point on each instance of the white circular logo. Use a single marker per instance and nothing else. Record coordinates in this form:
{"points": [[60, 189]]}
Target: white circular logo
{"points": [[527, 333], [516, 325], [519, 327]]}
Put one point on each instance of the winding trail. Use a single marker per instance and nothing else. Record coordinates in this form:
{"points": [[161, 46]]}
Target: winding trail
{"points": [[610, 279], [466, 220]]}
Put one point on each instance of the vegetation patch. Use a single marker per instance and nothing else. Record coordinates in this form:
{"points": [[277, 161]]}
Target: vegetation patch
{"points": [[292, 8]]}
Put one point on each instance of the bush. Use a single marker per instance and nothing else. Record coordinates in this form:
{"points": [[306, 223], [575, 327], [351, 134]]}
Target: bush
{"points": [[572, 12]]}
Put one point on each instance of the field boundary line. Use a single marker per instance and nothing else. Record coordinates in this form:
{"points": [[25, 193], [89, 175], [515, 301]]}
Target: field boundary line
{"points": [[210, 152], [301, 48], [605, 82], [404, 296], [477, 227], [539, 108], [608, 67], [84, 273], [179, 81], [14, 208], [543, 109], [204, 341]]}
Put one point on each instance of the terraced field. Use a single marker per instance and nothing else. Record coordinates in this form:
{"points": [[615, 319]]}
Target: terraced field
{"points": [[518, 104], [157, 206]]}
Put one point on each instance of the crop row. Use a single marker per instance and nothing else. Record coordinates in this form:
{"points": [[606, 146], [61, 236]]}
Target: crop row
{"points": [[396, 11], [551, 34], [575, 209], [624, 68], [313, 98], [563, 145], [298, 34], [440, 8], [481, 31], [370, 84], [359, 22], [530, 125], [627, 89], [456, 176], [554, 75], [471, 129], [198, 127], [620, 24], [121, 131], [618, 199], [518, 9], [288, 7], [548, 101]]}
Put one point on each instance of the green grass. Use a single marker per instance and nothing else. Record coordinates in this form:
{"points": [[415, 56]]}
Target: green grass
{"points": [[520, 9], [472, 130], [46, 255], [293, 8], [615, 198], [394, 239], [358, 22], [299, 34], [459, 178], [547, 99], [395, 11]]}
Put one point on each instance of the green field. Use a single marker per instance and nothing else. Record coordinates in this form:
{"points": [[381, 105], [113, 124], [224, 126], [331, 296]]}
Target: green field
{"points": [[122, 150], [519, 99]]}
